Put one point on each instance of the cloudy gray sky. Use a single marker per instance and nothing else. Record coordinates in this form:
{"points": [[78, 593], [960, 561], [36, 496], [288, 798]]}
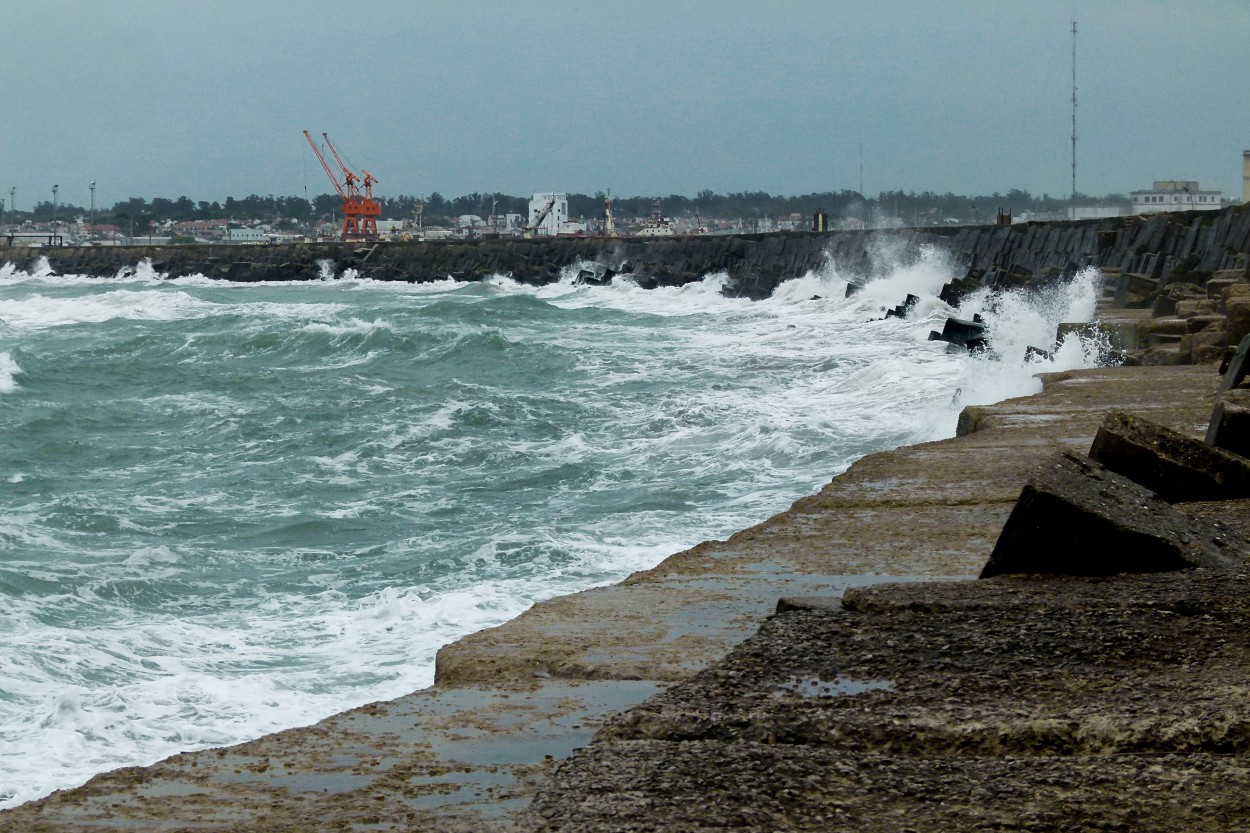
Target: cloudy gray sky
{"points": [[208, 99]]}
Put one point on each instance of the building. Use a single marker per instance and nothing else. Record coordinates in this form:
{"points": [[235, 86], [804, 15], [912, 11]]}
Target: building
{"points": [[1175, 195], [246, 235], [1097, 212], [549, 222]]}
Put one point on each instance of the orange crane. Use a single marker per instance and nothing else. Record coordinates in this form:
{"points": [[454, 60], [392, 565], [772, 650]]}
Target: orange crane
{"points": [[360, 211]]}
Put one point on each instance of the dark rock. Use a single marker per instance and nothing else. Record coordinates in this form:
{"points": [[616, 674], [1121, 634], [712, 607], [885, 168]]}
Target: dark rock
{"points": [[1170, 464], [1074, 517]]}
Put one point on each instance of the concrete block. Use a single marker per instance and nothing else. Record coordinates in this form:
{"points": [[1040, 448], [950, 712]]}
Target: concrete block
{"points": [[1230, 423], [1237, 366], [1237, 310], [1217, 288], [1201, 323], [1208, 340], [1163, 356], [1163, 326], [1198, 306], [1170, 464], [1074, 517], [1211, 342]]}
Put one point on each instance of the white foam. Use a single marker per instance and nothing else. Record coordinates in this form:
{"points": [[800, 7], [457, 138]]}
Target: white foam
{"points": [[8, 373], [353, 326]]}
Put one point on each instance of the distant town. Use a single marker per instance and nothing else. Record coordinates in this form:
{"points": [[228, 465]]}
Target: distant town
{"points": [[270, 219]]}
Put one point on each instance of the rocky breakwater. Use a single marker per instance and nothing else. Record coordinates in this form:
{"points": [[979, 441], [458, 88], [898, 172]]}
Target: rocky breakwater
{"points": [[1144, 258], [755, 264]]}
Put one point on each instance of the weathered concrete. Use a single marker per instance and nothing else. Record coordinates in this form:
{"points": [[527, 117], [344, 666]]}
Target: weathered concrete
{"points": [[1230, 423], [1007, 704], [1076, 517], [1173, 465]]}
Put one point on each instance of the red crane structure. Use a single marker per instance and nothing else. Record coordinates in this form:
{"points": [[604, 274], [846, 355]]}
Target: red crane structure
{"points": [[360, 209]]}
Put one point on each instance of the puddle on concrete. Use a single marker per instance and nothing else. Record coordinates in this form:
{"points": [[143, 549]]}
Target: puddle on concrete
{"points": [[815, 687]]}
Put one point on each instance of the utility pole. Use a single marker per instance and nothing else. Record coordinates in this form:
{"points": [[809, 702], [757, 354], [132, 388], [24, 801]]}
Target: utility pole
{"points": [[1073, 199], [55, 188], [12, 203], [91, 233]]}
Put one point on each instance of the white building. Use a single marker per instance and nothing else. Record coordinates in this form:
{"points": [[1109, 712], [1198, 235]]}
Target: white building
{"points": [[553, 222], [246, 235], [1097, 212], [1176, 195]]}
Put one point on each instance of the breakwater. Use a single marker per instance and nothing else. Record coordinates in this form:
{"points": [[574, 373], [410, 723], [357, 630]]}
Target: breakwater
{"points": [[1160, 249]]}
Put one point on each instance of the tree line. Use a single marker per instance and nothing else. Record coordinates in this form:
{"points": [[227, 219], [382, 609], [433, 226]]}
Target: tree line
{"points": [[910, 207]]}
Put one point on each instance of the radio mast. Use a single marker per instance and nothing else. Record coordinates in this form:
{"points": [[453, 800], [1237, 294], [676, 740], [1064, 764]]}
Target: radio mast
{"points": [[1072, 206]]}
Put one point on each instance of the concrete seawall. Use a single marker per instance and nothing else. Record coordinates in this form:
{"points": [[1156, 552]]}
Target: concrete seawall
{"points": [[1178, 246]]}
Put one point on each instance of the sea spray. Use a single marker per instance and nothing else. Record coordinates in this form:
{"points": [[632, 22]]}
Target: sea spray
{"points": [[235, 508]]}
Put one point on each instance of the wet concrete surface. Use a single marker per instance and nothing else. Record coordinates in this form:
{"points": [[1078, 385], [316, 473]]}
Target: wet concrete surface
{"points": [[511, 702], [1023, 703]]}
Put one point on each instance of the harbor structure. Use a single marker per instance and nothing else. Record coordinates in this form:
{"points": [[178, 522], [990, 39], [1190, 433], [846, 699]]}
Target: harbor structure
{"points": [[548, 213], [1175, 195]]}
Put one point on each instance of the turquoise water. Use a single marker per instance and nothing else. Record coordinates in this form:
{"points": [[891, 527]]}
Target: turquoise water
{"points": [[234, 508]]}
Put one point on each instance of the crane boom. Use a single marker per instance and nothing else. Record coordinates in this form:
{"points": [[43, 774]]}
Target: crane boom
{"points": [[349, 177], [532, 228], [324, 166]]}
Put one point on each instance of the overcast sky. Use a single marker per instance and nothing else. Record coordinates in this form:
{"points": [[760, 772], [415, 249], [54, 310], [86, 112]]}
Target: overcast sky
{"points": [[208, 99]]}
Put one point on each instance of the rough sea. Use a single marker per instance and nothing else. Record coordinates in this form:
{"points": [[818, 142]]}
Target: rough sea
{"points": [[229, 509]]}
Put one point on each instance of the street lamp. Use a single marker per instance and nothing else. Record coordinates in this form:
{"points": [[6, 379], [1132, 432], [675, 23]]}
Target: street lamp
{"points": [[91, 233], [55, 188], [12, 203]]}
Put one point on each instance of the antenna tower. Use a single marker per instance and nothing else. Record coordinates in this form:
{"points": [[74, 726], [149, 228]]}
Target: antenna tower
{"points": [[1072, 209]]}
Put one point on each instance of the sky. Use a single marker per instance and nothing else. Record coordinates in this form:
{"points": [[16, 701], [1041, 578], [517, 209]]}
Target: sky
{"points": [[208, 99]]}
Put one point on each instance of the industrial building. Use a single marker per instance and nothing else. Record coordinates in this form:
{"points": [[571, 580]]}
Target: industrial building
{"points": [[1176, 195], [548, 213]]}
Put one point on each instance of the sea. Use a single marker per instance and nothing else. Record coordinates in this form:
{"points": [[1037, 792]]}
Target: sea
{"points": [[228, 509]]}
